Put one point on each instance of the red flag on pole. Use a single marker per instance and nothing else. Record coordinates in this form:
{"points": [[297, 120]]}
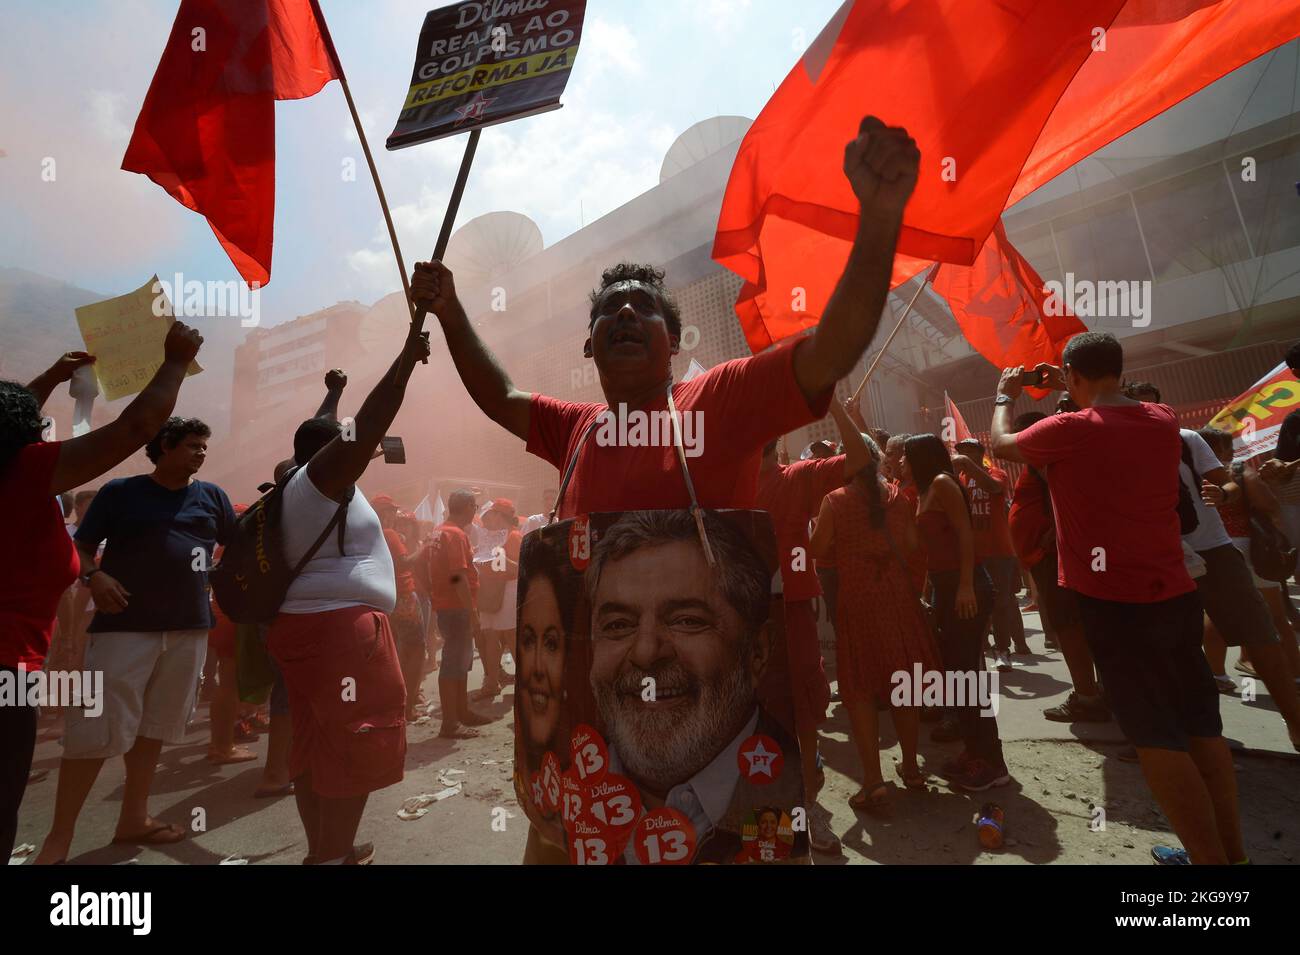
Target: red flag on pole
{"points": [[954, 430], [206, 132], [984, 88], [1001, 306]]}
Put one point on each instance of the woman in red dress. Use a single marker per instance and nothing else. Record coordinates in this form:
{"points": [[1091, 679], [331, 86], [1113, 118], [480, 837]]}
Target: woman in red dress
{"points": [[869, 529]]}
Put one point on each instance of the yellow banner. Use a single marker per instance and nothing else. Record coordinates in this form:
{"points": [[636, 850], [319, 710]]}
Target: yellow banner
{"points": [[485, 77], [125, 334]]}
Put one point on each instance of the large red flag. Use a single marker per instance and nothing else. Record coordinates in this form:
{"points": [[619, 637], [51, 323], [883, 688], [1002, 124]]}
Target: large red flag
{"points": [[999, 303], [984, 86], [206, 132]]}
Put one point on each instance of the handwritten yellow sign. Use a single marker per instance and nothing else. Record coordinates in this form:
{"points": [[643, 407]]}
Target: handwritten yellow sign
{"points": [[125, 334]]}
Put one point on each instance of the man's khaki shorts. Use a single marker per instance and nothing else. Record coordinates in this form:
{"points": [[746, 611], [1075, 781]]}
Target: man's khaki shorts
{"points": [[150, 683]]}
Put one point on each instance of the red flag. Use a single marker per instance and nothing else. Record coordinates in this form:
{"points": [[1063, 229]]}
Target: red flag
{"points": [[1000, 304], [958, 432], [206, 132], [984, 87]]}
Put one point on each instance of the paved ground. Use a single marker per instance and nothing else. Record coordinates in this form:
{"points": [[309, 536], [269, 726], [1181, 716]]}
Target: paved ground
{"points": [[1061, 772]]}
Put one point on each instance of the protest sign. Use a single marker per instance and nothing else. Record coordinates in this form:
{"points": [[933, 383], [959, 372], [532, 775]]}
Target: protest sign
{"points": [[482, 63], [1255, 417], [125, 334], [644, 671]]}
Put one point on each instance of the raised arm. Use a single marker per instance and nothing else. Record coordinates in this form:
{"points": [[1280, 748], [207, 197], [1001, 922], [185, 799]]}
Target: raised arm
{"points": [[43, 385], [335, 382], [856, 455], [86, 457], [434, 290], [1002, 438], [338, 465], [881, 165], [975, 471]]}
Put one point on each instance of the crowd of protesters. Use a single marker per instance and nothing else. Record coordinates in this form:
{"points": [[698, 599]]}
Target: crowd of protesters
{"points": [[918, 549]]}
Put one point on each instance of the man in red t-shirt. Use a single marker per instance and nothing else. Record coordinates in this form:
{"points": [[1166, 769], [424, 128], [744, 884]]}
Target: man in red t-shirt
{"points": [[792, 494], [453, 587], [728, 413], [1033, 535], [986, 490], [1121, 552]]}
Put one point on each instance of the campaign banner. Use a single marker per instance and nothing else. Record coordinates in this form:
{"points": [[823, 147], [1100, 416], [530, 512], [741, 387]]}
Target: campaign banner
{"points": [[125, 334], [655, 720], [1255, 417], [484, 62]]}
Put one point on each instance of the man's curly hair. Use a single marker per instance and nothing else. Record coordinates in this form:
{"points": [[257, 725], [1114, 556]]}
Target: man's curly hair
{"points": [[647, 275], [21, 423], [173, 432]]}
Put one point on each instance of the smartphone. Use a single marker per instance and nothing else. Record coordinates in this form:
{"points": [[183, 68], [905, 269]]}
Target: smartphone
{"points": [[394, 450], [1033, 378]]}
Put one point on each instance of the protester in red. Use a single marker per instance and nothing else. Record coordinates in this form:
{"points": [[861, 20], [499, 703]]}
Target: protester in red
{"points": [[736, 407], [881, 630], [1121, 552], [453, 586], [405, 619], [986, 489], [33, 472], [793, 494], [1033, 534]]}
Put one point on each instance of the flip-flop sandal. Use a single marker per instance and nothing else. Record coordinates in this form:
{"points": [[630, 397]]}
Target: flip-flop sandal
{"points": [[461, 732], [274, 792], [151, 837], [918, 783], [236, 755], [874, 800]]}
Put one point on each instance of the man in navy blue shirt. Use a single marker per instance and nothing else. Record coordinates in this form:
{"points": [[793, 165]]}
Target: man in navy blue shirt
{"points": [[148, 636]]}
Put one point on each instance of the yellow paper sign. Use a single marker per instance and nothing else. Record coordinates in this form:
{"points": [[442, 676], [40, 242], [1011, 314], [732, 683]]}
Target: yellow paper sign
{"points": [[125, 334]]}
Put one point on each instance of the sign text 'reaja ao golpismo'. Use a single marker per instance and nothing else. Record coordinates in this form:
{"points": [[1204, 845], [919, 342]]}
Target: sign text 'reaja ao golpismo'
{"points": [[488, 61]]}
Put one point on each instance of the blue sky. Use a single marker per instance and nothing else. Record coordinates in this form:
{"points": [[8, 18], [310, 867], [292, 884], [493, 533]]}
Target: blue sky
{"points": [[75, 73]]}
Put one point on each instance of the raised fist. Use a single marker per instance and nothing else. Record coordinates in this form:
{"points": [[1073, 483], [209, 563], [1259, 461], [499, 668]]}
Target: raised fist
{"points": [[433, 288], [881, 165], [181, 344], [335, 379]]}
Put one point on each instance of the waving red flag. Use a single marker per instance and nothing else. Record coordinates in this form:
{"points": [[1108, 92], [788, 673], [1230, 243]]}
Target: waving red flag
{"points": [[206, 132], [985, 87], [999, 303]]}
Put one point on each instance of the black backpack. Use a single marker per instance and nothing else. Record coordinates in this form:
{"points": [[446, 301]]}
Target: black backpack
{"points": [[253, 576], [1271, 554]]}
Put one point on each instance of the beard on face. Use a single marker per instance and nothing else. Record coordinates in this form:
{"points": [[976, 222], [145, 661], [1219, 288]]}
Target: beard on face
{"points": [[667, 747]]}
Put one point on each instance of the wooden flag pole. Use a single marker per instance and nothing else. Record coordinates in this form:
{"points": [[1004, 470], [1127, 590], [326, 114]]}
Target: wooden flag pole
{"points": [[899, 324], [448, 220], [365, 148]]}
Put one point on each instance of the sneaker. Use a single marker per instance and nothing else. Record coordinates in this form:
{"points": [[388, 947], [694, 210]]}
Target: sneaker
{"points": [[1076, 709], [957, 766], [945, 732], [1002, 661], [1168, 855], [820, 836], [981, 775]]}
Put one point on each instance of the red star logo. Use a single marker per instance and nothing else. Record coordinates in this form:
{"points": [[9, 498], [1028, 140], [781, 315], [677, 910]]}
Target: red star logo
{"points": [[474, 108]]}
